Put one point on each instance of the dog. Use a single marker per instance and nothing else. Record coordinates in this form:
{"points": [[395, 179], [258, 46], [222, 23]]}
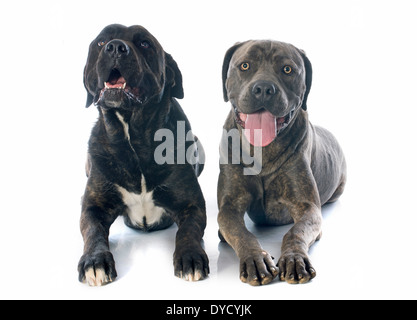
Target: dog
{"points": [[134, 83], [303, 166]]}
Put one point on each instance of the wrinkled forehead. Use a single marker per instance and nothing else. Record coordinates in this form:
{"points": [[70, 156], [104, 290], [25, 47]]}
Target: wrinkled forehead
{"points": [[267, 50], [132, 33]]}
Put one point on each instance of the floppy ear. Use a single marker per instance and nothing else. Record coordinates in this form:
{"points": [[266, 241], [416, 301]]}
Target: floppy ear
{"points": [[226, 62], [309, 78], [174, 77], [90, 97], [90, 100]]}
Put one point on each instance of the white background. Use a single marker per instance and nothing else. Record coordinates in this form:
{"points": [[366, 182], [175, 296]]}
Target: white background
{"points": [[364, 85]]}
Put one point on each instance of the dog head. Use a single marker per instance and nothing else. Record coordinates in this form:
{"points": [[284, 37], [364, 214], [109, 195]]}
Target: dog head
{"points": [[127, 67], [267, 83]]}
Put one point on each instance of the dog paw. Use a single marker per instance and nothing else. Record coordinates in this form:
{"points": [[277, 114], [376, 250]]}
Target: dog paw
{"points": [[295, 268], [258, 269], [191, 264], [97, 269]]}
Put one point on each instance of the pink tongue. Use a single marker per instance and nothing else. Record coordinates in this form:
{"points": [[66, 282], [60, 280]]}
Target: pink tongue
{"points": [[260, 128], [116, 83]]}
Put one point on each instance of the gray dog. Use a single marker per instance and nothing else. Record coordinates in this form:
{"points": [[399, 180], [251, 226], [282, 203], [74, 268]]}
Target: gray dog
{"points": [[303, 166]]}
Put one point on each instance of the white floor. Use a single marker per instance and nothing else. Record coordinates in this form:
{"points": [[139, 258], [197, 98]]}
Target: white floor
{"points": [[357, 257], [363, 57]]}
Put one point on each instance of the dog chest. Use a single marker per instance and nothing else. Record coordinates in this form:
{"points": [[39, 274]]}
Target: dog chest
{"points": [[141, 208]]}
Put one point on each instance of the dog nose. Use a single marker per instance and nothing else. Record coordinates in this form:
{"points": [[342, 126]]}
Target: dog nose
{"points": [[264, 90], [117, 48]]}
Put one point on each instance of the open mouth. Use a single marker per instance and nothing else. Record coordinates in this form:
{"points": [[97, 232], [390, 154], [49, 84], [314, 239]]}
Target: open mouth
{"points": [[118, 87], [262, 127], [115, 81]]}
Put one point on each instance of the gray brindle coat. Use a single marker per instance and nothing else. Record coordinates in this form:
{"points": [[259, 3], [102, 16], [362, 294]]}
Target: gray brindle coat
{"points": [[303, 168]]}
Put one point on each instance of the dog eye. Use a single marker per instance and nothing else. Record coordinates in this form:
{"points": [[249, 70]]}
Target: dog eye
{"points": [[145, 44], [245, 66], [101, 43], [287, 69]]}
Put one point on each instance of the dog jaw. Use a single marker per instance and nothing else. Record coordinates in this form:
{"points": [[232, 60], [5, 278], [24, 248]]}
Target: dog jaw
{"points": [[111, 98], [114, 96], [116, 92]]}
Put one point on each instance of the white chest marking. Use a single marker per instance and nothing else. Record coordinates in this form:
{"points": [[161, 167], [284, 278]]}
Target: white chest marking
{"points": [[141, 208], [125, 125]]}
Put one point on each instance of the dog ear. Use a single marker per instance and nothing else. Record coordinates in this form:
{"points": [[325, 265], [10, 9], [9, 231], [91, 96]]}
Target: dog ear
{"points": [[226, 62], [90, 97], [174, 77], [90, 100], [309, 78]]}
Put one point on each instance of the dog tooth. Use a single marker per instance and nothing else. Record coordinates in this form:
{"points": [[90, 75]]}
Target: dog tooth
{"points": [[124, 86], [106, 85]]}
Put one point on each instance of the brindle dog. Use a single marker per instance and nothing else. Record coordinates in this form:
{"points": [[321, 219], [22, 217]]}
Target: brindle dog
{"points": [[303, 166], [133, 82]]}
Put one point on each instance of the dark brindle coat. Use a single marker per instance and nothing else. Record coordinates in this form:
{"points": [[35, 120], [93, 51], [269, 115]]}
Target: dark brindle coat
{"points": [[134, 82]]}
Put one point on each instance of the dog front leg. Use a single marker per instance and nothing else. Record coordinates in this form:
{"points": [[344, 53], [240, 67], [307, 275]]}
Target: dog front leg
{"points": [[96, 266], [294, 264], [190, 260], [234, 198], [256, 265]]}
